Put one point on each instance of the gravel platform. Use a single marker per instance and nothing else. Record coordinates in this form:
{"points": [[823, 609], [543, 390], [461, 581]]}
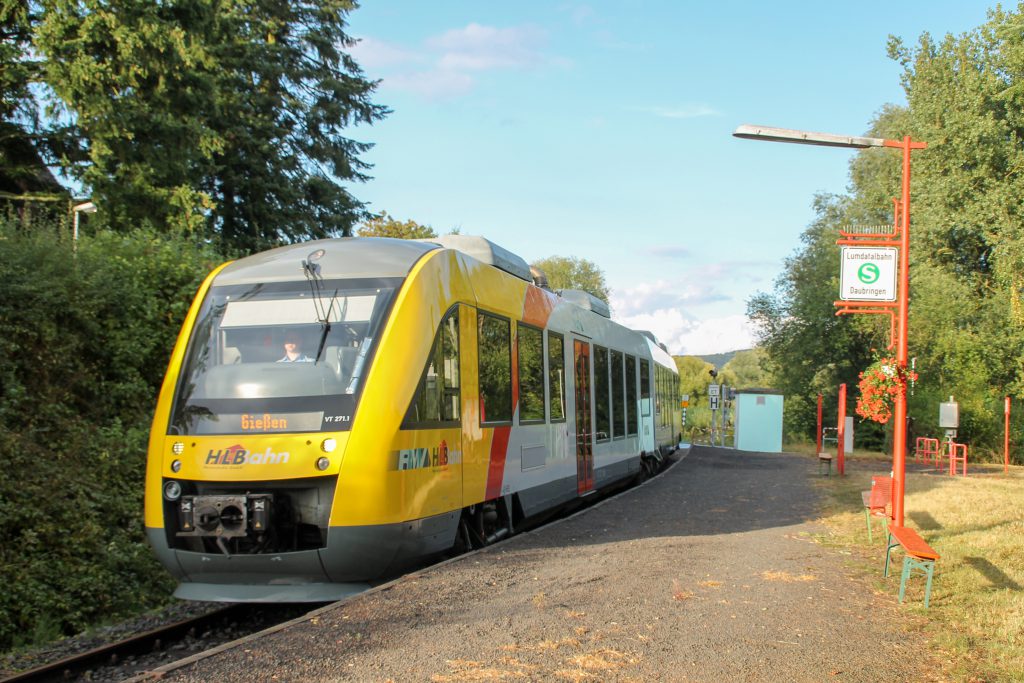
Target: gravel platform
{"points": [[709, 572]]}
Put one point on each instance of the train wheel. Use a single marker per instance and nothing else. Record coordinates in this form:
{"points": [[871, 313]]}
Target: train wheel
{"points": [[482, 525]]}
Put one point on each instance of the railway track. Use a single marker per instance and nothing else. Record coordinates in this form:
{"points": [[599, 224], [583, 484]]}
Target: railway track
{"points": [[144, 651]]}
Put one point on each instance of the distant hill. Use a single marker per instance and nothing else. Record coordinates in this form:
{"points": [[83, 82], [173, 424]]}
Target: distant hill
{"points": [[720, 359]]}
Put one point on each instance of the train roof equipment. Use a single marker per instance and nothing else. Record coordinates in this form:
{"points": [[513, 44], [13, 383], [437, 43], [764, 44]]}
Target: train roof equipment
{"points": [[485, 251], [586, 301]]}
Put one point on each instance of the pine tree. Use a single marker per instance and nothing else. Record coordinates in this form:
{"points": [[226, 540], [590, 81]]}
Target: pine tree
{"points": [[220, 119]]}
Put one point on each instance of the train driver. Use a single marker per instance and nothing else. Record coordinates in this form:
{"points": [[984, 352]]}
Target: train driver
{"points": [[293, 350]]}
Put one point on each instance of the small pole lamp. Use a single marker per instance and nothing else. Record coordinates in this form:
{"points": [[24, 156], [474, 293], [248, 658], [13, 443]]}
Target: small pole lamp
{"points": [[84, 207], [900, 238]]}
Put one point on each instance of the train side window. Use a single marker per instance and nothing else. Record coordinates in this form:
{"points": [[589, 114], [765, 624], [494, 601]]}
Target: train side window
{"points": [[618, 397], [630, 395], [436, 400], [495, 344], [556, 376], [602, 394], [645, 387], [531, 374]]}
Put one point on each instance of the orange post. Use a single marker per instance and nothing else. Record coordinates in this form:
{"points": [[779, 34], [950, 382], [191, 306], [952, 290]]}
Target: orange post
{"points": [[1006, 438], [841, 446], [899, 437], [818, 440]]}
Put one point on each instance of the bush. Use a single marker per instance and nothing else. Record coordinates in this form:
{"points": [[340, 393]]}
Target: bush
{"points": [[84, 342]]}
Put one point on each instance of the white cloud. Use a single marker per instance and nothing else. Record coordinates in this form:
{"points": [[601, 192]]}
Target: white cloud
{"points": [[478, 48], [437, 83], [715, 335], [665, 308], [685, 335], [376, 54], [452, 63], [661, 295]]}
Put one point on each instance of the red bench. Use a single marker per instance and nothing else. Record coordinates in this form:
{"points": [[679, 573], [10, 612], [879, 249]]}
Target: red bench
{"points": [[877, 502], [919, 556]]}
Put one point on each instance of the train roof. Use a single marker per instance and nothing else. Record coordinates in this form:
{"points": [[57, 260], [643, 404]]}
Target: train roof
{"points": [[586, 301], [356, 257], [385, 257]]}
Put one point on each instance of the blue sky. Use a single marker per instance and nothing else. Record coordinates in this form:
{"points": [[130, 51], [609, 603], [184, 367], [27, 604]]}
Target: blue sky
{"points": [[602, 130]]}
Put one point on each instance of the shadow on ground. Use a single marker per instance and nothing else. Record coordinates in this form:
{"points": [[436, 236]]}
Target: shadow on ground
{"points": [[711, 491]]}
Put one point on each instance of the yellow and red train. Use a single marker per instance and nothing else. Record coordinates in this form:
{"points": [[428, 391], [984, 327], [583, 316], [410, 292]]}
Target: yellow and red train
{"points": [[337, 409]]}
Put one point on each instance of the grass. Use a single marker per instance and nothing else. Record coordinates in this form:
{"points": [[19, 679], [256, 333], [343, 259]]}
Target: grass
{"points": [[976, 618]]}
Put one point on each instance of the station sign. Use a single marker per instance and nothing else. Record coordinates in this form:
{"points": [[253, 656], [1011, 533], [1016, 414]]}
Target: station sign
{"points": [[714, 402], [868, 273]]}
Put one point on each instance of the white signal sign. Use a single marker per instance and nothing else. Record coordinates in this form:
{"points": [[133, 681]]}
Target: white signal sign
{"points": [[713, 390], [868, 273], [714, 402]]}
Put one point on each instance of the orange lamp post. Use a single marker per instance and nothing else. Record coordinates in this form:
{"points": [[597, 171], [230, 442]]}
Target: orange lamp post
{"points": [[1006, 437], [818, 439], [898, 310], [841, 431]]}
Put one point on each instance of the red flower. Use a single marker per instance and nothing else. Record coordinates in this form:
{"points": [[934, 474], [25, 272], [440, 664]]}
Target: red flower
{"points": [[880, 384]]}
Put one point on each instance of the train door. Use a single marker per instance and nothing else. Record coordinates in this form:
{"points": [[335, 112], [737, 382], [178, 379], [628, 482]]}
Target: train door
{"points": [[584, 425], [646, 418]]}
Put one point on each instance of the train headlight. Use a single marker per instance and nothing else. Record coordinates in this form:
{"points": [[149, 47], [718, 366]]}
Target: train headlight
{"points": [[323, 463], [172, 490], [176, 466], [178, 448], [328, 445]]}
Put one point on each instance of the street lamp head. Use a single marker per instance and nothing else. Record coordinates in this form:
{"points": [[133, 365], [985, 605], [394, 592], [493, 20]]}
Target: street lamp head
{"points": [[803, 137], [84, 207]]}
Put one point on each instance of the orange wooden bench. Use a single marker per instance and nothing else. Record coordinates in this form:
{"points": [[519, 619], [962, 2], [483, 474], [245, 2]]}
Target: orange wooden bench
{"points": [[825, 463], [919, 556], [877, 502]]}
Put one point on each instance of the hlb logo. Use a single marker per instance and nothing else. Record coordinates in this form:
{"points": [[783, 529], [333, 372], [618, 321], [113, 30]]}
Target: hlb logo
{"points": [[237, 456]]}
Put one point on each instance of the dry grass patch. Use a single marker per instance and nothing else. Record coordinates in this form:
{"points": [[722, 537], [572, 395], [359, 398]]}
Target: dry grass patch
{"points": [[594, 666], [678, 593], [466, 670], [786, 577], [556, 644], [976, 619]]}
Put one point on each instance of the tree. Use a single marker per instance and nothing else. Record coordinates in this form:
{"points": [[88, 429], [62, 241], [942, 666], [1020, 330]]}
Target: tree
{"points": [[221, 119], [965, 98], [693, 375], [386, 226], [746, 370], [27, 141], [574, 273], [809, 349]]}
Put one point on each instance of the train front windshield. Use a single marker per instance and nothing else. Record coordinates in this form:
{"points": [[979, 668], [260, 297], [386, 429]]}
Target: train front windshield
{"points": [[280, 357]]}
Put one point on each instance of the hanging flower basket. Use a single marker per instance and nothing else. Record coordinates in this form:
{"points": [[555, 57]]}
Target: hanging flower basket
{"points": [[880, 384]]}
